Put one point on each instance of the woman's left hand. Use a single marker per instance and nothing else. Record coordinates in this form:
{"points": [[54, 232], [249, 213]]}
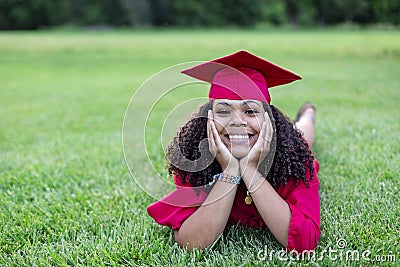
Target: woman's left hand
{"points": [[261, 148]]}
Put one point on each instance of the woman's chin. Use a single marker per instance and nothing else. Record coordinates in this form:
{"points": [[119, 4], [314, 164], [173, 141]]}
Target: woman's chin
{"points": [[240, 153]]}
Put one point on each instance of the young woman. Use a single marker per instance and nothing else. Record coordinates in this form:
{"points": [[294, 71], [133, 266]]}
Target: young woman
{"points": [[263, 174]]}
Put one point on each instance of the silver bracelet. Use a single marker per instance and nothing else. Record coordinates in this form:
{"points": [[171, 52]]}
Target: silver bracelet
{"points": [[232, 179]]}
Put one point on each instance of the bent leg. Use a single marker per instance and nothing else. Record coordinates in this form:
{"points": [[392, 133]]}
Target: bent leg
{"points": [[306, 125]]}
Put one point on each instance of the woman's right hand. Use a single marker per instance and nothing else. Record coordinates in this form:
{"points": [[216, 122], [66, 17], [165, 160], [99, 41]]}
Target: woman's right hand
{"points": [[228, 162]]}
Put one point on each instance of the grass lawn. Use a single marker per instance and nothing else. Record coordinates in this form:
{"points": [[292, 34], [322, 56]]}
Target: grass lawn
{"points": [[67, 198]]}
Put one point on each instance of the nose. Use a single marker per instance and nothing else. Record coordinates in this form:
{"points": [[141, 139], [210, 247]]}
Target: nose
{"points": [[237, 121]]}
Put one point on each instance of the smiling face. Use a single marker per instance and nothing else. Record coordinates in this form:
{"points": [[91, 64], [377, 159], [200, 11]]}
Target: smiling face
{"points": [[238, 123]]}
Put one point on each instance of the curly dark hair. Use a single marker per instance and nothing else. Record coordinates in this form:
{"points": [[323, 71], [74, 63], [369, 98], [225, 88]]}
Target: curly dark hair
{"points": [[292, 159]]}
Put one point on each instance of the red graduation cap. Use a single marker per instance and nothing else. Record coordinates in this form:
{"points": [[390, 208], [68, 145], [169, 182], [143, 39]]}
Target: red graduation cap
{"points": [[241, 75]]}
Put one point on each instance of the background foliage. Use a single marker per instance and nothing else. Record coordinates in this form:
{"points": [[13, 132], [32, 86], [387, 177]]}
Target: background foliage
{"points": [[34, 14]]}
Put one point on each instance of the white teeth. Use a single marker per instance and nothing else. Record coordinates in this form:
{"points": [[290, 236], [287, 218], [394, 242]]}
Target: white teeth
{"points": [[238, 137]]}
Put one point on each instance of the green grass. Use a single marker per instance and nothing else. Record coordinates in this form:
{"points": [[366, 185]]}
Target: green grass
{"points": [[67, 198]]}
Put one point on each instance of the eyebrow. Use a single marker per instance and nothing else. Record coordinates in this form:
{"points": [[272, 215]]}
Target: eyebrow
{"points": [[224, 104], [245, 102]]}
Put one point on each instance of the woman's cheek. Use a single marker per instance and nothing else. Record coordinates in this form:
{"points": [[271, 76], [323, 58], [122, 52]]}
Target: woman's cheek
{"points": [[219, 125], [260, 120]]}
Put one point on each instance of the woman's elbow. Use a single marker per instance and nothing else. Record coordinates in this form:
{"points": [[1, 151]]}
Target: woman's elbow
{"points": [[190, 242], [181, 241]]}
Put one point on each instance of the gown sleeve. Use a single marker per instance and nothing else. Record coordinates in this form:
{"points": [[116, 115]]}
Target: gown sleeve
{"points": [[173, 209], [304, 203]]}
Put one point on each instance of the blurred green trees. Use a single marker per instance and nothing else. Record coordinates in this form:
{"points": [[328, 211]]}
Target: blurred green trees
{"points": [[34, 14]]}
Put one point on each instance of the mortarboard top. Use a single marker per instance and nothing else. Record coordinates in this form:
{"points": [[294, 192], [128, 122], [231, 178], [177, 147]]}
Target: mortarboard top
{"points": [[227, 80]]}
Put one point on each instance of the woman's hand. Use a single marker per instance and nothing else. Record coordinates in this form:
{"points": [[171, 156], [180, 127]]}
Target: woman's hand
{"points": [[261, 148], [228, 162]]}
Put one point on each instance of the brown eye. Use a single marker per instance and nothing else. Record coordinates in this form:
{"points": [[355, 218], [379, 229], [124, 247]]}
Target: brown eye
{"points": [[251, 111], [222, 112]]}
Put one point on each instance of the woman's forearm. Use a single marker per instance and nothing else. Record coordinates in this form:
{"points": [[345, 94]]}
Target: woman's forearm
{"points": [[205, 225], [272, 208]]}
